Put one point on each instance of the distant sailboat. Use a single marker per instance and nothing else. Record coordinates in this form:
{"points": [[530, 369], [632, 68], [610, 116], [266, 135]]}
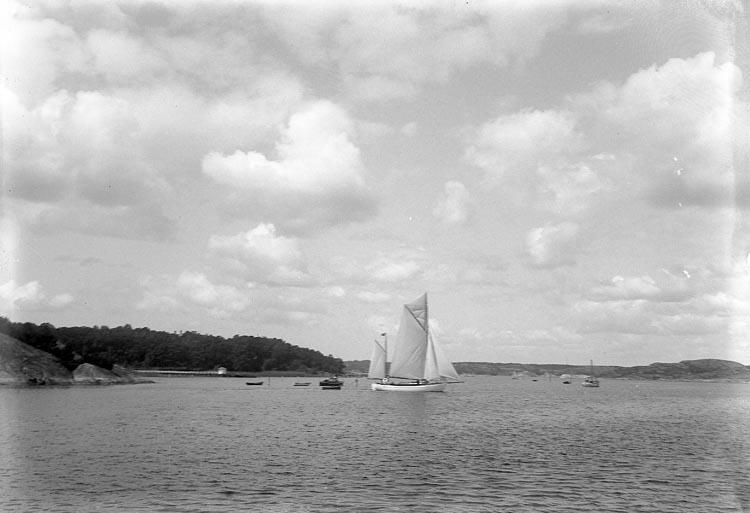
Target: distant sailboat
{"points": [[416, 357], [591, 380]]}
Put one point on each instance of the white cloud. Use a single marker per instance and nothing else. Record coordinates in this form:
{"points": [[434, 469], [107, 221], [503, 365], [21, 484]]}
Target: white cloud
{"points": [[61, 300], [640, 287], [675, 123], [50, 45], [453, 207], [261, 255], [191, 290], [120, 56], [75, 153], [674, 143], [334, 291], [319, 168], [386, 52], [669, 288], [538, 158], [30, 296], [570, 188], [373, 297], [516, 144], [387, 270], [316, 155], [552, 245], [603, 23]]}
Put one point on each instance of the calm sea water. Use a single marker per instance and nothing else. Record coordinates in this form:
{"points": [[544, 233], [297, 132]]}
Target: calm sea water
{"points": [[491, 444]]}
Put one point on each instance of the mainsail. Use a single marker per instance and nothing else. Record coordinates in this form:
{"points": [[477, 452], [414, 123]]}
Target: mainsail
{"points": [[416, 356]]}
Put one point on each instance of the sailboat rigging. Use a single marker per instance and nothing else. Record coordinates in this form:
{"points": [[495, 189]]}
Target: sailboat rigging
{"points": [[591, 380], [416, 356]]}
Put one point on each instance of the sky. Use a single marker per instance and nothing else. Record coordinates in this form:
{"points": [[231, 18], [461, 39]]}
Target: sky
{"points": [[567, 180]]}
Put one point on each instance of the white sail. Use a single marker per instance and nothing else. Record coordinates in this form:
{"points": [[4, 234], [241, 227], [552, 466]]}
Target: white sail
{"points": [[377, 362], [411, 341], [437, 366], [416, 355]]}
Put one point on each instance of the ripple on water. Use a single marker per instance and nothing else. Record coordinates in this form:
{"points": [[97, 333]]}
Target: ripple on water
{"points": [[491, 444]]}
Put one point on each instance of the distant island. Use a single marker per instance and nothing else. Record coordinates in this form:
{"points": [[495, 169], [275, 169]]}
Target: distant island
{"points": [[692, 370]]}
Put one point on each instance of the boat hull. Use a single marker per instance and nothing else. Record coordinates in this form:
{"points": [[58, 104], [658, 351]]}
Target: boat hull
{"points": [[409, 387]]}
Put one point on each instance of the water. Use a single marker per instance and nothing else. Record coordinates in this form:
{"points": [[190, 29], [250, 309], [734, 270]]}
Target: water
{"points": [[491, 444]]}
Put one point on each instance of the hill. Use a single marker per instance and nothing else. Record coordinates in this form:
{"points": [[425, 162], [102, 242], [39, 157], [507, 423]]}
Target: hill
{"points": [[149, 349], [706, 369]]}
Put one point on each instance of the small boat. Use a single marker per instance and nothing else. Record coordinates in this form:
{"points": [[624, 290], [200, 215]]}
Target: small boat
{"points": [[331, 387], [416, 357], [253, 383], [591, 380], [333, 381], [302, 384]]}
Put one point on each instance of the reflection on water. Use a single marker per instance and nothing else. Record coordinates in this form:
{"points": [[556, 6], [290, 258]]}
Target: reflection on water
{"points": [[490, 444]]}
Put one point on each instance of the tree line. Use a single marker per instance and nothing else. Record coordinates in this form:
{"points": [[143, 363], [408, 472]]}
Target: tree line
{"points": [[148, 349]]}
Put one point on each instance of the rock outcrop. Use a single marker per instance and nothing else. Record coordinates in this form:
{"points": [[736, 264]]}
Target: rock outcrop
{"points": [[21, 364], [24, 365], [88, 374]]}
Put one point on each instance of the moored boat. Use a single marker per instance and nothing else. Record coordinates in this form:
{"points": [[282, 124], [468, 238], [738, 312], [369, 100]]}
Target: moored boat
{"points": [[332, 381], [253, 383], [591, 381], [418, 364]]}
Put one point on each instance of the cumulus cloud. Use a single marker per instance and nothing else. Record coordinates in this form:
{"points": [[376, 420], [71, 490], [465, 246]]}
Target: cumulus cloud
{"points": [[373, 297], [315, 155], [640, 316], [51, 45], [552, 245], [674, 146], [516, 143], [388, 270], [675, 123], [539, 158], [669, 288], [386, 52], [453, 207], [318, 164], [261, 255], [30, 296], [640, 287], [81, 152], [192, 290], [690, 304]]}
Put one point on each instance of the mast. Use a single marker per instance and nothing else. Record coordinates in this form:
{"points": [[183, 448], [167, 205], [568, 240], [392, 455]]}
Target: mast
{"points": [[385, 354], [426, 334]]}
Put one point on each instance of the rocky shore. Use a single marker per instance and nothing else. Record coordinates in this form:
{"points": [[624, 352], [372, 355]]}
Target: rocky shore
{"points": [[22, 365]]}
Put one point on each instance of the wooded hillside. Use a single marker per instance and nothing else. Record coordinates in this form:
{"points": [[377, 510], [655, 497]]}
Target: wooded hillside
{"points": [[146, 348]]}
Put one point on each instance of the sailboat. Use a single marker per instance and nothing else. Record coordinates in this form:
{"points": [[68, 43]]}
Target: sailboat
{"points": [[591, 380], [416, 357]]}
